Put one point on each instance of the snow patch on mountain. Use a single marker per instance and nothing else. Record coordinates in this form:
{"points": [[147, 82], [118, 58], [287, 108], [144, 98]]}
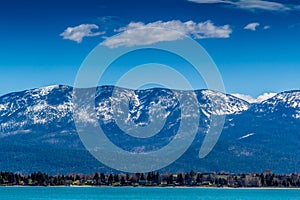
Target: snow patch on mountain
{"points": [[45, 90], [222, 104], [2, 135], [246, 136], [3, 107]]}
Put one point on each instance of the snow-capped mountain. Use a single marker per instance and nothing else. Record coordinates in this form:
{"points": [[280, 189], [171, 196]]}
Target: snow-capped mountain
{"points": [[289, 102], [37, 107], [53, 106], [37, 130]]}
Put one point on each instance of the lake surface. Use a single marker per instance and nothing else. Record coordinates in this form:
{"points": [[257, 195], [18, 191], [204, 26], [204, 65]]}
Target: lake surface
{"points": [[74, 193]]}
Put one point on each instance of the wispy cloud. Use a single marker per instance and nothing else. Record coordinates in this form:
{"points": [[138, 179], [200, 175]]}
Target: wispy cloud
{"points": [[252, 26], [267, 27], [253, 4], [138, 33], [77, 33]]}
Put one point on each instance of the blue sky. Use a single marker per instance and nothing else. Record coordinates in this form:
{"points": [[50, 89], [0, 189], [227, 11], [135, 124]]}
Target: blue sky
{"points": [[254, 43]]}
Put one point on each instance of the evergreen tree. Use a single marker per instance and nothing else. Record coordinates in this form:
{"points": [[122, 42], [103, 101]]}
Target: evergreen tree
{"points": [[110, 179], [116, 178], [96, 178], [102, 178], [179, 179], [149, 177], [123, 181], [262, 179]]}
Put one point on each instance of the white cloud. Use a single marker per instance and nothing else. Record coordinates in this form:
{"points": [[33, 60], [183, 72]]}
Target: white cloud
{"points": [[267, 27], [259, 99], [138, 33], [252, 26], [247, 98], [77, 33], [262, 5], [265, 96], [253, 4]]}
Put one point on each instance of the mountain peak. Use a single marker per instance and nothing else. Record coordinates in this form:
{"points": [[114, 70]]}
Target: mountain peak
{"points": [[289, 98]]}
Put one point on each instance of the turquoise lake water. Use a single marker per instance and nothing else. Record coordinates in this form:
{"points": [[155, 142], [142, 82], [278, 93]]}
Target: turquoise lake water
{"points": [[74, 193]]}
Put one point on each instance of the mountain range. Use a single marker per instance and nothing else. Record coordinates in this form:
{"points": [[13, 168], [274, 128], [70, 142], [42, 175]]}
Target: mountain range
{"points": [[38, 133]]}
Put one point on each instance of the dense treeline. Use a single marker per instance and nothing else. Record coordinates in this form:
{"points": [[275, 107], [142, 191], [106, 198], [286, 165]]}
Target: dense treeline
{"points": [[192, 178]]}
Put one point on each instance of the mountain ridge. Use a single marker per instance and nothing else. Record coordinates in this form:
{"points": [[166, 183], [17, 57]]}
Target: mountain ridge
{"points": [[39, 122], [68, 86]]}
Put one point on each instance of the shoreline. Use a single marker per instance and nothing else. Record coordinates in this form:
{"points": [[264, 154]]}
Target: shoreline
{"points": [[267, 180], [155, 187]]}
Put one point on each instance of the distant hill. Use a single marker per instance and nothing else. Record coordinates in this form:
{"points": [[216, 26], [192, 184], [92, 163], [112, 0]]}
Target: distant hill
{"points": [[37, 131]]}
